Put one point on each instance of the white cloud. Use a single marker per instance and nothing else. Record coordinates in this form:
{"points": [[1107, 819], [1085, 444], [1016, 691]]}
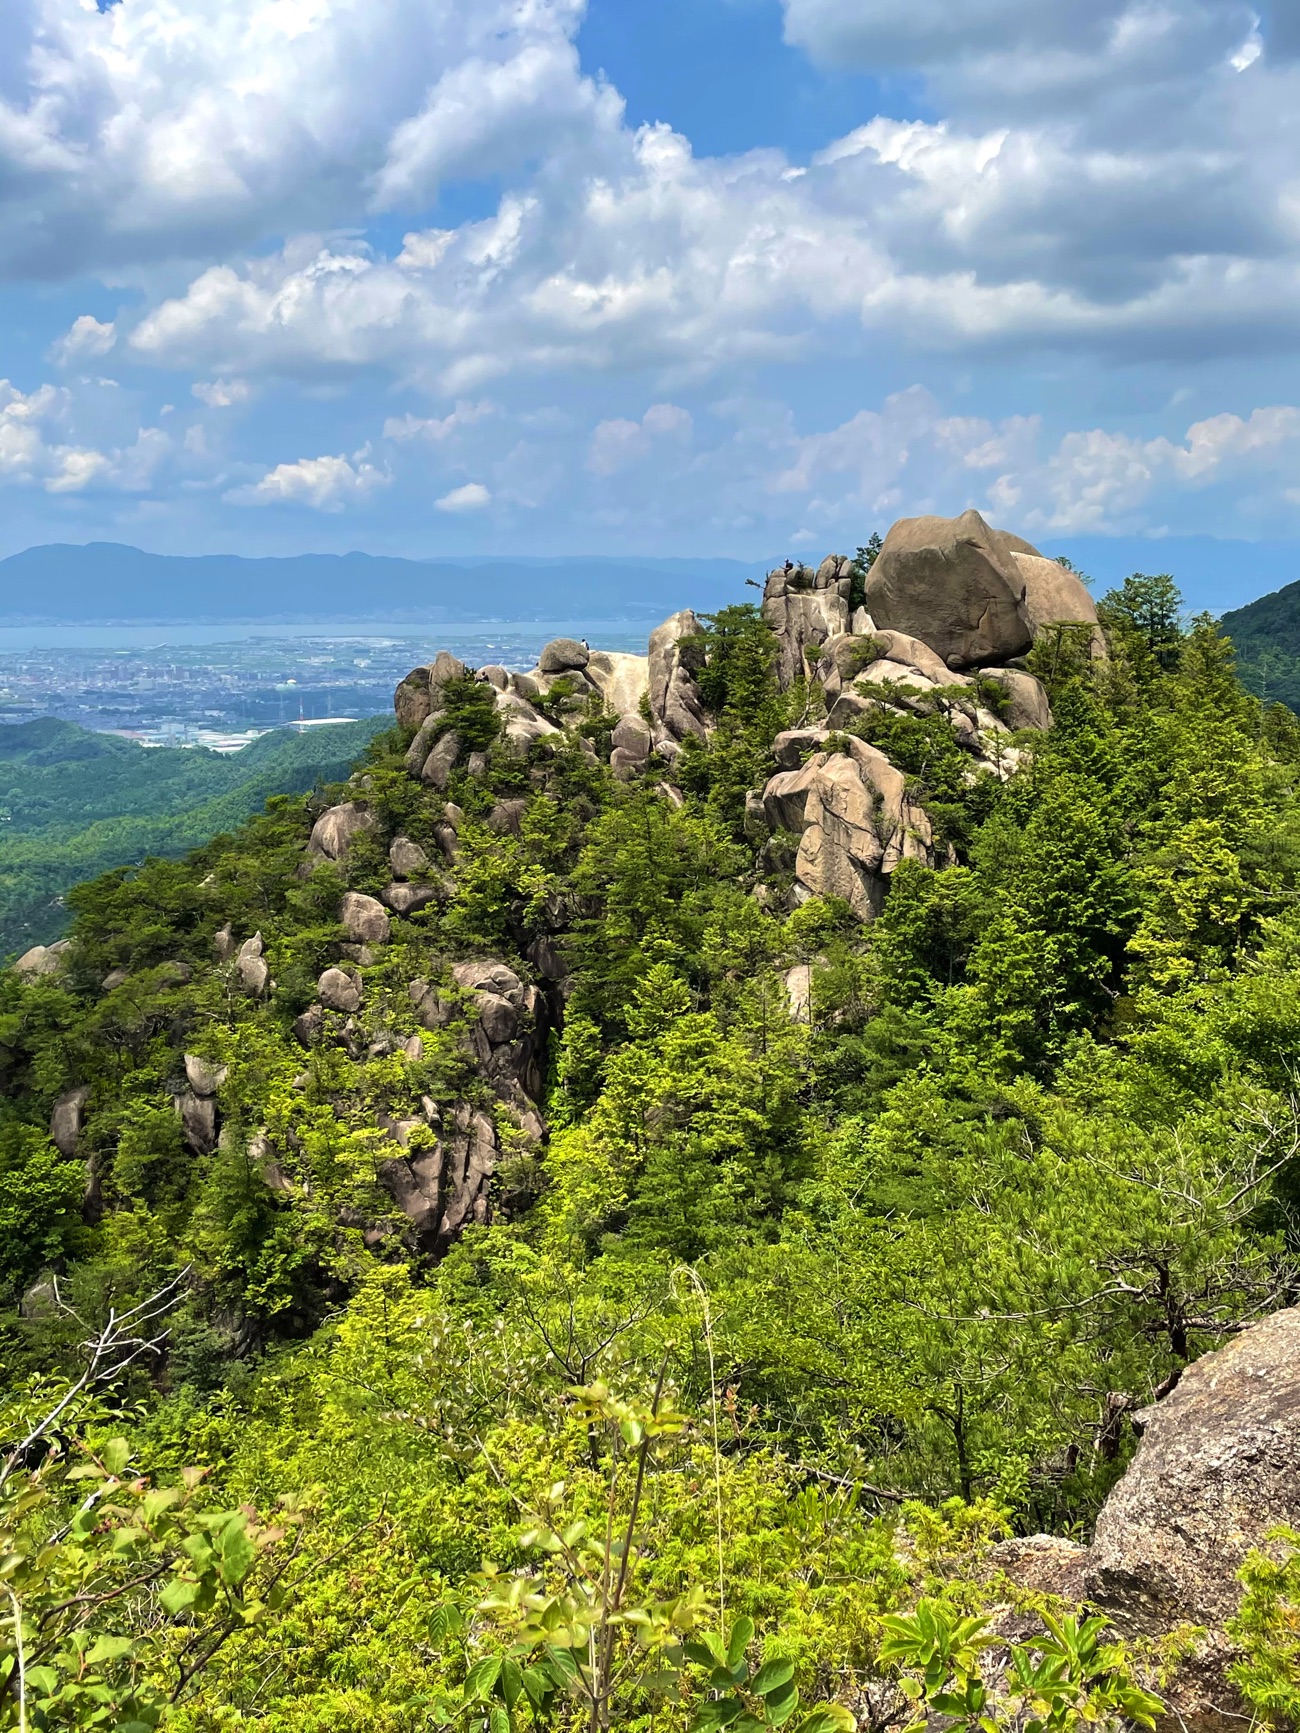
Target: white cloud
{"points": [[323, 483], [438, 430], [1018, 47], [472, 497], [480, 117], [221, 393], [618, 444], [86, 337], [156, 128], [908, 457], [35, 453], [1094, 478]]}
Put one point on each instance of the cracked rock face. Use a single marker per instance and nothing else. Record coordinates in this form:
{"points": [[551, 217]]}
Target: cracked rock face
{"points": [[441, 1189], [854, 819], [676, 706], [805, 609]]}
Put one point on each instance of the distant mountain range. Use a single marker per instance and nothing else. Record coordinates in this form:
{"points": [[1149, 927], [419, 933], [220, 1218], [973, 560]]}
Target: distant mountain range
{"points": [[109, 582]]}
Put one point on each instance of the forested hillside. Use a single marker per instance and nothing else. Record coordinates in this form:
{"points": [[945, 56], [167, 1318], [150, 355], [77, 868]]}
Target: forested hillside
{"points": [[1266, 637], [74, 803], [636, 1191]]}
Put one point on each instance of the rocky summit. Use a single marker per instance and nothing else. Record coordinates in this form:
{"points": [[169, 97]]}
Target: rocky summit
{"points": [[751, 1185]]}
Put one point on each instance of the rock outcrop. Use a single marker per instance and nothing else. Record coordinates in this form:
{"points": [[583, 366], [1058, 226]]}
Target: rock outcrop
{"points": [[677, 708], [855, 821], [339, 990], [508, 1035], [954, 584], [364, 919], [252, 968], [622, 680], [420, 694], [334, 830], [42, 960], [1026, 701], [1214, 1474], [1216, 1469], [805, 608], [440, 1179], [949, 608], [203, 1077], [1053, 595], [66, 1119]]}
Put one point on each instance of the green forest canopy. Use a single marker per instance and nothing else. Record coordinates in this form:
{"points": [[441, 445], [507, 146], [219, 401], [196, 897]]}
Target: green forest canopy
{"points": [[74, 803], [806, 1310]]}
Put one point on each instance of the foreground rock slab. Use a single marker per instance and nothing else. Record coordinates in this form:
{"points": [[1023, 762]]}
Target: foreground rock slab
{"points": [[1217, 1470]]}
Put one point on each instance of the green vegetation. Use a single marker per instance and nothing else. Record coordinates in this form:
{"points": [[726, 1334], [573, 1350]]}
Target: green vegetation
{"points": [[1266, 636], [73, 804], [714, 1422]]}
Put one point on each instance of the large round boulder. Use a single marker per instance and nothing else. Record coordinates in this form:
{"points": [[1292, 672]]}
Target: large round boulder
{"points": [[954, 584], [334, 830], [364, 919], [1053, 595], [562, 656], [339, 991]]}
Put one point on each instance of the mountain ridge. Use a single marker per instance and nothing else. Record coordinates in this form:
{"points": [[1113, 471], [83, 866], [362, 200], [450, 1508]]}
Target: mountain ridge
{"points": [[113, 582]]}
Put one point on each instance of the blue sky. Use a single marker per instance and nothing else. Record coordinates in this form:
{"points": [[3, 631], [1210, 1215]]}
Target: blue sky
{"points": [[646, 276]]}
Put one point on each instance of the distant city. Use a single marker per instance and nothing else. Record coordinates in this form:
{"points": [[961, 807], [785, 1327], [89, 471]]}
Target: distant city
{"points": [[224, 695]]}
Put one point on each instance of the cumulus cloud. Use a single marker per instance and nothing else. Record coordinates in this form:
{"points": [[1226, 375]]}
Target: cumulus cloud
{"points": [[86, 337], [151, 130], [36, 449], [323, 483], [1018, 48], [619, 444], [1115, 179], [438, 429], [472, 497], [1120, 178], [221, 393], [909, 457], [951, 236]]}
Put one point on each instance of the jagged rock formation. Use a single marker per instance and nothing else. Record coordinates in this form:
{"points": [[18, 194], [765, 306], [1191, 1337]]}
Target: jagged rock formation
{"points": [[1214, 1474], [676, 705], [951, 605], [805, 608], [854, 820]]}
